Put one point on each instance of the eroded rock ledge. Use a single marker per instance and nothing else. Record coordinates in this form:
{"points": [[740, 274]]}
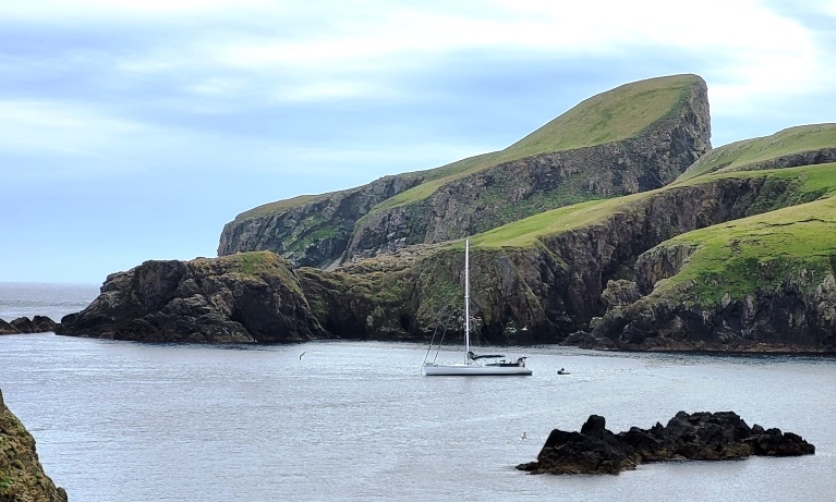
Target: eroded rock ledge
{"points": [[700, 436]]}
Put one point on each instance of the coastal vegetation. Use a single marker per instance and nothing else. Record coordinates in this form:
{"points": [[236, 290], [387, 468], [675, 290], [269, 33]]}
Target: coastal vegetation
{"points": [[614, 225], [21, 475], [621, 113]]}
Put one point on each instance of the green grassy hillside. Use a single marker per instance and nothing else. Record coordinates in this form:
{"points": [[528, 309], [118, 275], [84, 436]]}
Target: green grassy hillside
{"points": [[621, 113], [615, 115], [817, 181], [744, 154], [759, 252]]}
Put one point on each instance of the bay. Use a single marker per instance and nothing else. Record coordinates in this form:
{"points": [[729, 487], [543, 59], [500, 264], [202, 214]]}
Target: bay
{"points": [[358, 421]]}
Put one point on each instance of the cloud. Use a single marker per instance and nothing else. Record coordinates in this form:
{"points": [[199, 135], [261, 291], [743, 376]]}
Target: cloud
{"points": [[305, 52], [186, 108]]}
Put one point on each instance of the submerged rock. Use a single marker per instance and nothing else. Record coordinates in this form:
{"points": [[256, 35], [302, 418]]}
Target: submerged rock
{"points": [[700, 436]]}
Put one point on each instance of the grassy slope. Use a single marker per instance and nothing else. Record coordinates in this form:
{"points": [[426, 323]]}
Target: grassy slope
{"points": [[273, 207], [762, 251], [733, 258], [759, 252], [819, 180], [737, 156], [615, 115]]}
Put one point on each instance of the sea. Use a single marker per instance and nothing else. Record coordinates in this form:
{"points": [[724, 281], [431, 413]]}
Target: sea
{"points": [[357, 421]]}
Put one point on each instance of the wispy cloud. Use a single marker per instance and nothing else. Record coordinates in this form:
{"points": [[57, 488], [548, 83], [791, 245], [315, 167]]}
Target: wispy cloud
{"points": [[190, 101]]}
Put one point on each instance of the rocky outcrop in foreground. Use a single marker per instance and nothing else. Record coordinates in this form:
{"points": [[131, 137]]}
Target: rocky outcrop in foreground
{"points": [[38, 324], [701, 436], [22, 477]]}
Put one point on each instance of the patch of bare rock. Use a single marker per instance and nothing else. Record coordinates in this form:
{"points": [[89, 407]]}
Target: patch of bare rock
{"points": [[699, 436]]}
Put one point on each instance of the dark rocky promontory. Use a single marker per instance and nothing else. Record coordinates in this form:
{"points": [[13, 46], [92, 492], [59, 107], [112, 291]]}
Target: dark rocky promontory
{"points": [[699, 436], [239, 299]]}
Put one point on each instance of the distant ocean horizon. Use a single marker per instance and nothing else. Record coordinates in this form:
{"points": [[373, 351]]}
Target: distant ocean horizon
{"points": [[51, 299]]}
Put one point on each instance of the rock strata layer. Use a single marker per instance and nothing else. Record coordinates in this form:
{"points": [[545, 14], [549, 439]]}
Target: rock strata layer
{"points": [[698, 436]]}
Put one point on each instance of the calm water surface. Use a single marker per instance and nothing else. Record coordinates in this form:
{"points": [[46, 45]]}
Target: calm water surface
{"points": [[357, 421]]}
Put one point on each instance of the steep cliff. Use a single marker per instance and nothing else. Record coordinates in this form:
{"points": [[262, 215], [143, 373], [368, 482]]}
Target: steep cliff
{"points": [[736, 254], [22, 478], [254, 297], [311, 230], [633, 138], [762, 283], [534, 281], [647, 155]]}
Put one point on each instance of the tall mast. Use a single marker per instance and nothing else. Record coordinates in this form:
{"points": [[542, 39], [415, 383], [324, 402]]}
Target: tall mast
{"points": [[467, 301]]}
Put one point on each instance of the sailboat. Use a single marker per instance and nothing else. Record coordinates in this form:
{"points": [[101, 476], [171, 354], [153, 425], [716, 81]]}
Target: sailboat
{"points": [[475, 365]]}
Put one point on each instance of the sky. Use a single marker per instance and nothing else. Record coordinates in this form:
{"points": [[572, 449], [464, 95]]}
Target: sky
{"points": [[132, 131]]}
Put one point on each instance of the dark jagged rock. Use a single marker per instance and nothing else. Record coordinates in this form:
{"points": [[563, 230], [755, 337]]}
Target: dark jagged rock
{"points": [[246, 298], [38, 324], [699, 436], [7, 329], [22, 478]]}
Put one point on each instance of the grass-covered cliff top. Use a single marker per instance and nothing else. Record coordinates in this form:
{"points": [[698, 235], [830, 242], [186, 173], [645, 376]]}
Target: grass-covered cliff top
{"points": [[254, 265], [272, 207], [620, 113], [812, 181], [747, 153], [758, 252], [615, 115]]}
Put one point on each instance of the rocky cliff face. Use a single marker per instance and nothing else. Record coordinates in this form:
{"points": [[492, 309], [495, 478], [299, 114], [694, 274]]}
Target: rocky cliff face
{"points": [[345, 225], [514, 190], [534, 294], [22, 478], [239, 299], [383, 261], [314, 233], [798, 316]]}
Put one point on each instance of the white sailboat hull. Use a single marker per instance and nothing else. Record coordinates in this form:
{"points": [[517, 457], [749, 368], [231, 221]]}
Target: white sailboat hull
{"points": [[474, 370]]}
